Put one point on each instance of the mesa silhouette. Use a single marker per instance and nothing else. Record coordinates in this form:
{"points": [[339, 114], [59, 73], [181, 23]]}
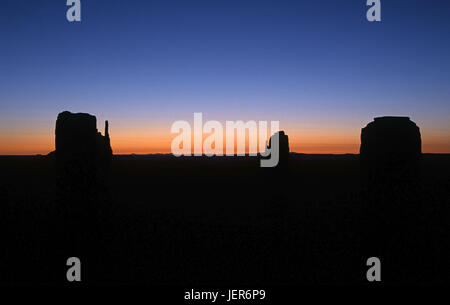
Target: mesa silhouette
{"points": [[390, 157]]}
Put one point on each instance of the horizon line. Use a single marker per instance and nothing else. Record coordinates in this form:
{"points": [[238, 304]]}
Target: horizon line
{"points": [[224, 155]]}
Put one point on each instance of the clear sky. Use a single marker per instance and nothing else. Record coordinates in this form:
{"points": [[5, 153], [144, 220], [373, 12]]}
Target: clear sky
{"points": [[317, 66]]}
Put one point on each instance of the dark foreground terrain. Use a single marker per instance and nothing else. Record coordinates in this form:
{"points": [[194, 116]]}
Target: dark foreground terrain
{"points": [[224, 221]]}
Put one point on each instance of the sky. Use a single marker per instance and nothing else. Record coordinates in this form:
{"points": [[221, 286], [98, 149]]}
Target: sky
{"points": [[318, 67]]}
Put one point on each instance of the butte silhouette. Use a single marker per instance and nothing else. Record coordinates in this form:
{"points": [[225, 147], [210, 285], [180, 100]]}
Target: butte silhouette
{"points": [[83, 161], [283, 140], [390, 158], [83, 155]]}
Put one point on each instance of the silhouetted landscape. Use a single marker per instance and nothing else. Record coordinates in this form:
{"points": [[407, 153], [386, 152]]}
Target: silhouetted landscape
{"points": [[159, 219]]}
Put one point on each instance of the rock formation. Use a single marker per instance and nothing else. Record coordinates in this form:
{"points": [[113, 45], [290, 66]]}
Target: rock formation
{"points": [[390, 164], [83, 155], [276, 180], [83, 160], [283, 148], [390, 156]]}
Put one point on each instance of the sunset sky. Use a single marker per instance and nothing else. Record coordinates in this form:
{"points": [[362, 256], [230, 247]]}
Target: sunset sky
{"points": [[319, 67]]}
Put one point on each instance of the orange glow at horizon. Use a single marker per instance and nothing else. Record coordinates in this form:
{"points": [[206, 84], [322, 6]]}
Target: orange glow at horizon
{"points": [[152, 141]]}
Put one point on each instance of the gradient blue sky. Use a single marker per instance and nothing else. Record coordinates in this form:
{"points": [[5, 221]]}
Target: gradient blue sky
{"points": [[319, 67]]}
